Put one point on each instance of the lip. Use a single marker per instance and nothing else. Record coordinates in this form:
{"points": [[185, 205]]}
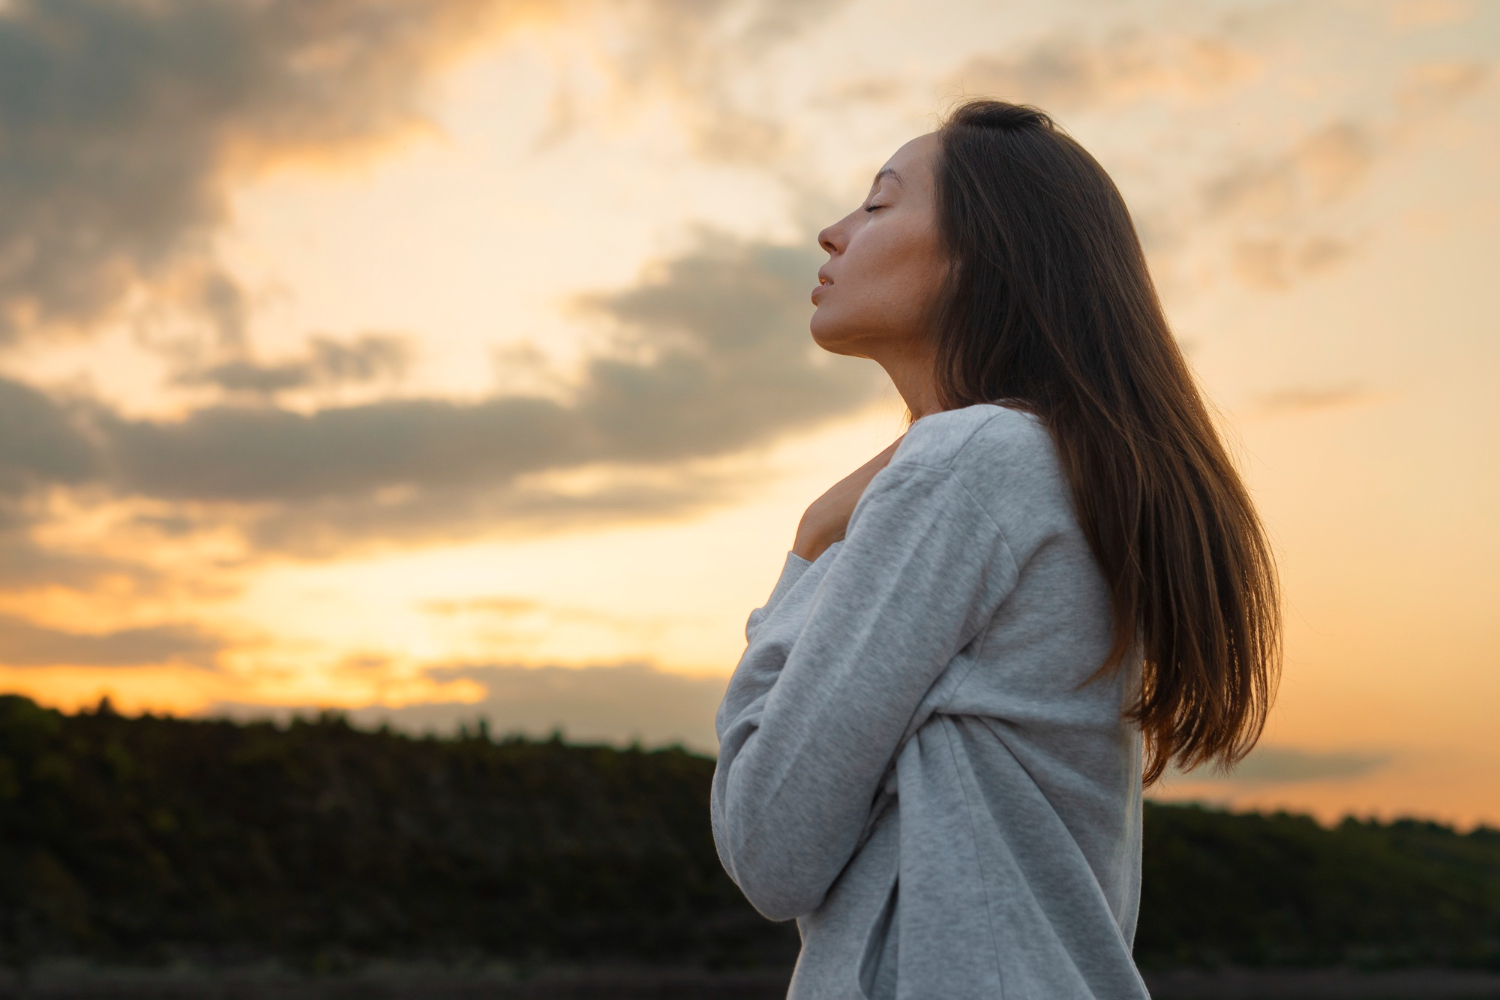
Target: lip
{"points": [[824, 281]]}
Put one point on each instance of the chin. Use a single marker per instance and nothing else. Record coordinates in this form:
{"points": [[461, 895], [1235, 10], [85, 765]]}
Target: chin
{"points": [[827, 335]]}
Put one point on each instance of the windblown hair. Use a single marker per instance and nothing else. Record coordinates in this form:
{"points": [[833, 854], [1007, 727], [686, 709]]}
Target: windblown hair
{"points": [[1050, 308]]}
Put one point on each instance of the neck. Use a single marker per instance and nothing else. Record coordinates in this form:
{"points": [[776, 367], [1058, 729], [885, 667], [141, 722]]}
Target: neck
{"points": [[913, 374]]}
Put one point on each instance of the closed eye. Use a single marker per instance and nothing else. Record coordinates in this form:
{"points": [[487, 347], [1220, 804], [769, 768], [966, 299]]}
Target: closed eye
{"points": [[871, 208]]}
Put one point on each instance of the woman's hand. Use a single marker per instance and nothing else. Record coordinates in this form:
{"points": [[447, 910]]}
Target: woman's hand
{"points": [[827, 518]]}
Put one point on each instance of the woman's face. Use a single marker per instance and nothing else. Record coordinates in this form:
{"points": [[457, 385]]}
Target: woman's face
{"points": [[885, 263]]}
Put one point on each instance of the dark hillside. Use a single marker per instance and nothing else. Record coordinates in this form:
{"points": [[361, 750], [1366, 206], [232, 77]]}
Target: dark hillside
{"points": [[139, 840], [1279, 889], [134, 839]]}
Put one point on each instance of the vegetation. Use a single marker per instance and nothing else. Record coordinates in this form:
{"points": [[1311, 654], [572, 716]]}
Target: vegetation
{"points": [[1280, 889], [131, 840], [137, 839]]}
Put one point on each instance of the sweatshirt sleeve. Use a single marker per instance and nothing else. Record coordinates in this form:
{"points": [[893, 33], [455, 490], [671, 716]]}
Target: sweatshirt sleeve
{"points": [[764, 657], [791, 572], [922, 569]]}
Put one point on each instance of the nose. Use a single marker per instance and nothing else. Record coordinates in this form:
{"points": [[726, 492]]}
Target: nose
{"points": [[831, 239]]}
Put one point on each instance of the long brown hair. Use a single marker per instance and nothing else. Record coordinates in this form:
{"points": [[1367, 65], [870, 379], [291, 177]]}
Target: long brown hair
{"points": [[1050, 307]]}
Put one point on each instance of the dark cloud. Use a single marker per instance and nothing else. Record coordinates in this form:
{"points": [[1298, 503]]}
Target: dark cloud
{"points": [[38, 443], [731, 359], [412, 516], [713, 357], [125, 123], [25, 565], [721, 360], [264, 454], [609, 704], [1280, 765], [42, 448], [369, 357], [24, 644], [124, 119]]}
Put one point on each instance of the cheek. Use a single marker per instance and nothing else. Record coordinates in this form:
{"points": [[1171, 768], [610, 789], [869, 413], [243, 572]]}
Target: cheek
{"points": [[899, 276], [886, 285]]}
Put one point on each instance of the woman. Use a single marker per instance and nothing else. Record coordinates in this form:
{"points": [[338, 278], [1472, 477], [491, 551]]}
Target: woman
{"points": [[1052, 587]]}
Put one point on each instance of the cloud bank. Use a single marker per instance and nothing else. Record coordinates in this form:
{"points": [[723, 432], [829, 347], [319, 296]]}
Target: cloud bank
{"points": [[125, 120], [712, 357], [24, 644], [126, 125], [1269, 765], [370, 357]]}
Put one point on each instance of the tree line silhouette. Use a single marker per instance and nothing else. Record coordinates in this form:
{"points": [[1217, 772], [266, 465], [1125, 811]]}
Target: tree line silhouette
{"points": [[143, 840]]}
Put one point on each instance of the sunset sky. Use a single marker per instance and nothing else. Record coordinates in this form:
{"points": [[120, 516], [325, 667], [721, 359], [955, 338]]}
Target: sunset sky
{"points": [[437, 359]]}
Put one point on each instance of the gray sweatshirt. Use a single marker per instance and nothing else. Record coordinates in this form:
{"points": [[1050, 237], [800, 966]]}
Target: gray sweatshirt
{"points": [[913, 760]]}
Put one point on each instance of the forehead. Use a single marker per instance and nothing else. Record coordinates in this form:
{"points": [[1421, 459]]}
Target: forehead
{"points": [[913, 161]]}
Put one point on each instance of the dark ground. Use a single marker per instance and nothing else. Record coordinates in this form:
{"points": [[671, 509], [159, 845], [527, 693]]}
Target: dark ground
{"points": [[1323, 984], [624, 984]]}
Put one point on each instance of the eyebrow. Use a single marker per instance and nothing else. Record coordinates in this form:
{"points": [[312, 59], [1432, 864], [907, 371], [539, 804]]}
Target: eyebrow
{"points": [[888, 172]]}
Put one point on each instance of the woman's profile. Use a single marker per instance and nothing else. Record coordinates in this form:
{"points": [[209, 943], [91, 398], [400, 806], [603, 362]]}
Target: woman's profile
{"points": [[987, 638]]}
